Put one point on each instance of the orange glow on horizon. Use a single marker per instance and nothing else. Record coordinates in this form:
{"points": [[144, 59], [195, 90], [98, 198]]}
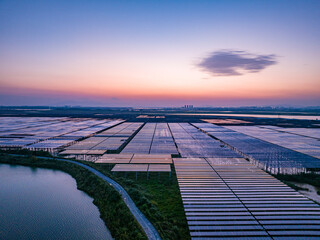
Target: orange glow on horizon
{"points": [[173, 94]]}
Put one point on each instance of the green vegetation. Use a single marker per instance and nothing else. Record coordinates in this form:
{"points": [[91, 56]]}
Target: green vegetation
{"points": [[295, 187], [157, 198], [27, 152], [308, 178], [113, 210]]}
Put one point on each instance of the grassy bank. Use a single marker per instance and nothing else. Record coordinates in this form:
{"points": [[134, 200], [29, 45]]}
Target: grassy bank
{"points": [[26, 152], [309, 178], [158, 199], [113, 210]]}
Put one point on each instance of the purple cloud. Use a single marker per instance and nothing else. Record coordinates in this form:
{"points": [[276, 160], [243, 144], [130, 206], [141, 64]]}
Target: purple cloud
{"points": [[233, 63]]}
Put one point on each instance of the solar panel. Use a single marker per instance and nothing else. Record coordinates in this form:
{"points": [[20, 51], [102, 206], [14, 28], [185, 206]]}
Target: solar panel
{"points": [[234, 199], [153, 138], [272, 157], [115, 158], [159, 168], [130, 168], [192, 142]]}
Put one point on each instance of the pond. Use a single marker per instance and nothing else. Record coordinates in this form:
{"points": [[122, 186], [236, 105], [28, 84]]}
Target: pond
{"points": [[37, 203]]}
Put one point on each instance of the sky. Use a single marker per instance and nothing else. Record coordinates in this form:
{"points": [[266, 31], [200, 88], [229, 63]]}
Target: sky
{"points": [[160, 53]]}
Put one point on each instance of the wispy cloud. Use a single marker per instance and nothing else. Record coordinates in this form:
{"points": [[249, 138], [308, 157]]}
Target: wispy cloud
{"points": [[232, 63]]}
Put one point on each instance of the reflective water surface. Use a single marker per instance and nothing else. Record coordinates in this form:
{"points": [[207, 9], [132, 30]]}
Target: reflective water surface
{"points": [[300, 117], [38, 203]]}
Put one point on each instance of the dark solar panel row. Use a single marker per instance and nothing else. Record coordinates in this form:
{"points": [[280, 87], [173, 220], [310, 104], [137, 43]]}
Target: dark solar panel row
{"points": [[270, 156], [279, 136], [192, 142]]}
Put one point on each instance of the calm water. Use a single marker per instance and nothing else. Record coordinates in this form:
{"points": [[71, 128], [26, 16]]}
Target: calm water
{"points": [[300, 117], [38, 203]]}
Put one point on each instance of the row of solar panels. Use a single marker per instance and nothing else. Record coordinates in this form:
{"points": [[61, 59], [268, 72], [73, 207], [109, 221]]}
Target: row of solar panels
{"points": [[135, 158], [111, 139], [69, 138], [307, 132], [8, 124], [141, 168], [303, 144], [53, 128], [192, 142], [52, 134], [153, 138], [232, 199], [269, 155]]}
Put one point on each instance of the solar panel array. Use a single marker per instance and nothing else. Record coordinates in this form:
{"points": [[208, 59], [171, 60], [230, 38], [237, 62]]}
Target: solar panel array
{"points": [[16, 133], [52, 143], [141, 143], [123, 130], [71, 137], [162, 142], [47, 133], [271, 157], [224, 196], [232, 199], [115, 158], [13, 123], [135, 158], [308, 132], [153, 138], [289, 138], [151, 158], [130, 168], [112, 139], [93, 129], [141, 168], [192, 142], [159, 168]]}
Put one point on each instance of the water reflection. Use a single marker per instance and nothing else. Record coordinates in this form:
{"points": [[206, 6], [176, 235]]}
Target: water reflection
{"points": [[39, 203]]}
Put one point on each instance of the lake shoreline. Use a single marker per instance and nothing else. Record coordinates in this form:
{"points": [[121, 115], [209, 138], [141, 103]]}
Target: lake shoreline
{"points": [[37, 201], [113, 210]]}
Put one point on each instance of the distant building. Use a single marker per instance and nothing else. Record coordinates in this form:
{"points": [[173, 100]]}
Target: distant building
{"points": [[188, 106]]}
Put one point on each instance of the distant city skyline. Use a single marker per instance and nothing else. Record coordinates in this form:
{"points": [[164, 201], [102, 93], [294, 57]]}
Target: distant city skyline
{"points": [[160, 53]]}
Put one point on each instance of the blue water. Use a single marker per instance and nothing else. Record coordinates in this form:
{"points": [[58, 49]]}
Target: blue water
{"points": [[38, 203]]}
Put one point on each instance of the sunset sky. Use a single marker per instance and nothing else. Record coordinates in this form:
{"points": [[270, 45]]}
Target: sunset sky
{"points": [[160, 53]]}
